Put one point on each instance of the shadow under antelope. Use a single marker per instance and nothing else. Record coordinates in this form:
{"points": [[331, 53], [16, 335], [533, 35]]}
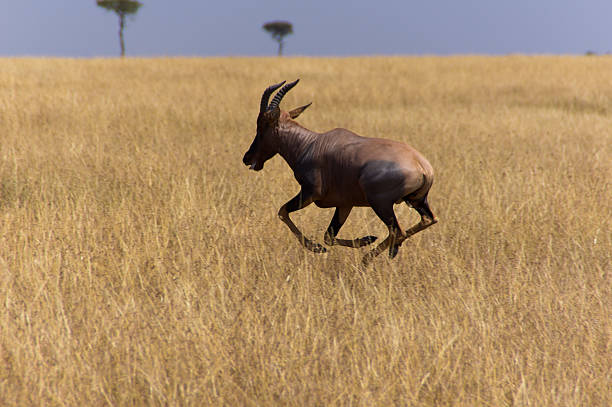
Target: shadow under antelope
{"points": [[342, 169]]}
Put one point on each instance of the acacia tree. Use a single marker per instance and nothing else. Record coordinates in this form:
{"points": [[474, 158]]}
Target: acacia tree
{"points": [[122, 8], [278, 30]]}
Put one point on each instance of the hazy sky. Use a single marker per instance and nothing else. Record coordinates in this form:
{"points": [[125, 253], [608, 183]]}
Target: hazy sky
{"points": [[78, 28]]}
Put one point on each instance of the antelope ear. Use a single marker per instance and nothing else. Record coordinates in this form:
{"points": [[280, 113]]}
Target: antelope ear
{"points": [[296, 112]]}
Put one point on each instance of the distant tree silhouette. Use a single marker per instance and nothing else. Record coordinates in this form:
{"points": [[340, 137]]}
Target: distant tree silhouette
{"points": [[278, 30], [122, 8]]}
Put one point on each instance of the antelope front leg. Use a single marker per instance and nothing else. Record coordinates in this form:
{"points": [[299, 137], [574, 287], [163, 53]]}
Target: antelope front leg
{"points": [[337, 221], [298, 202]]}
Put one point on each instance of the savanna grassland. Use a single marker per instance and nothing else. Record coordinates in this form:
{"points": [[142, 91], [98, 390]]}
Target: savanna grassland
{"points": [[141, 263]]}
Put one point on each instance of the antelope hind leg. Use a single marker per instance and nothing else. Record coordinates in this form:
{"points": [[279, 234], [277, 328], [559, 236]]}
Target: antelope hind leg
{"points": [[392, 242], [427, 219], [427, 216]]}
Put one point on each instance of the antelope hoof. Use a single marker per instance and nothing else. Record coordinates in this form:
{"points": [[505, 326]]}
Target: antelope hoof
{"points": [[364, 241], [330, 241], [427, 221], [315, 247], [393, 251]]}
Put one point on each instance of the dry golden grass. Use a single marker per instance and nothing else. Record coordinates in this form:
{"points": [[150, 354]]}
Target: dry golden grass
{"points": [[142, 264]]}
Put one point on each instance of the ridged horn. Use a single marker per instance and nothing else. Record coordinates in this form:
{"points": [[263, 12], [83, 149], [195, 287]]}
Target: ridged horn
{"points": [[281, 93], [266, 96]]}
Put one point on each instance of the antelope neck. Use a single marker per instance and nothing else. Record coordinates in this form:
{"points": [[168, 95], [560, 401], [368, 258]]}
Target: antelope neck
{"points": [[295, 143]]}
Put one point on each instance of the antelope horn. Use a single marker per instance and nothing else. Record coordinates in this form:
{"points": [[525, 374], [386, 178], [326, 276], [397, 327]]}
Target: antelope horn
{"points": [[266, 96], [279, 96]]}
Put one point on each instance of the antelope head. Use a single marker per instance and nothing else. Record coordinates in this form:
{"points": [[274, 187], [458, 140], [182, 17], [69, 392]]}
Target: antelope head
{"points": [[264, 145]]}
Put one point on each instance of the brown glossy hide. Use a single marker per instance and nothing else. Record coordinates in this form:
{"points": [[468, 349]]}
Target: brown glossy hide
{"points": [[350, 170]]}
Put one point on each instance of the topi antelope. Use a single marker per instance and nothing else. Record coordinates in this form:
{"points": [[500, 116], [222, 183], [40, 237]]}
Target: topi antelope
{"points": [[341, 169]]}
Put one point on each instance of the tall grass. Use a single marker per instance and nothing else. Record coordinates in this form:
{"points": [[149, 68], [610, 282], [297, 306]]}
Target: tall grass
{"points": [[142, 264]]}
